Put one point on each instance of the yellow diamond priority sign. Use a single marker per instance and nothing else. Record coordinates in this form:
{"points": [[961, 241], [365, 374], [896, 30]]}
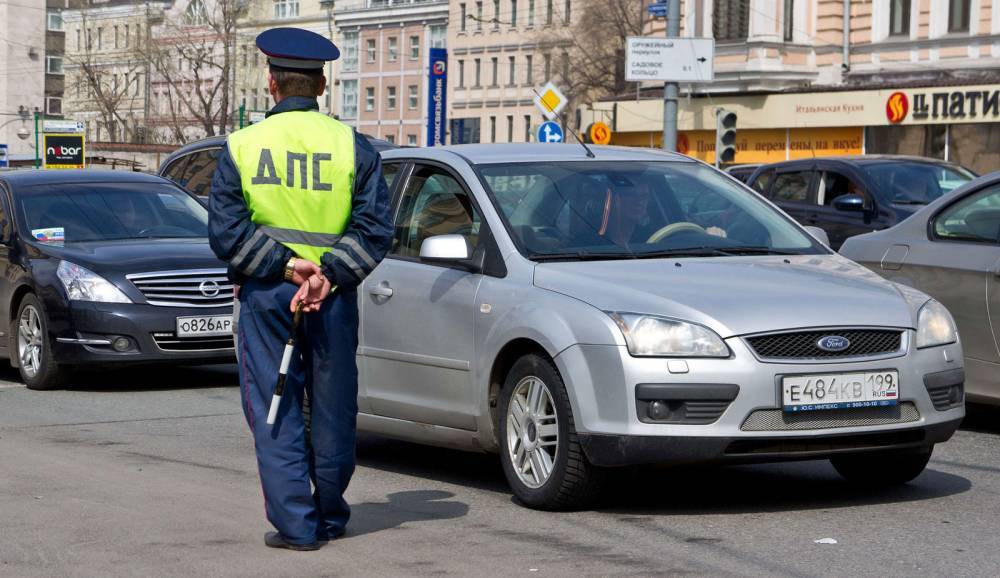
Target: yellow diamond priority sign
{"points": [[551, 101]]}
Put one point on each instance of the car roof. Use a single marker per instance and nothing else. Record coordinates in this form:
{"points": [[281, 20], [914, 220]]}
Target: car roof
{"points": [[532, 152], [862, 159], [52, 176]]}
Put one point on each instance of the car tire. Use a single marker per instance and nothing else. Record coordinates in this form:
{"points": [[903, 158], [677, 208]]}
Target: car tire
{"points": [[31, 347], [539, 449], [882, 468]]}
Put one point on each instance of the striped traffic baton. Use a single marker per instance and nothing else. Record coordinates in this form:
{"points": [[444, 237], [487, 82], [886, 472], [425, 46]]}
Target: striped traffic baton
{"points": [[286, 359]]}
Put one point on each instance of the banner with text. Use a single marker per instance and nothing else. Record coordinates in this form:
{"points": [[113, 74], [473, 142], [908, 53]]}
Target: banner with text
{"points": [[437, 108], [63, 151]]}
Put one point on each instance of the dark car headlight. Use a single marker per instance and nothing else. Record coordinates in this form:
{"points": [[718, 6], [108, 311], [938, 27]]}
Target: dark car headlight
{"points": [[82, 284]]}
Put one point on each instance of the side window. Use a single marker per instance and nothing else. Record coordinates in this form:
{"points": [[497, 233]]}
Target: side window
{"points": [[199, 170], [176, 169], [975, 218], [762, 182], [5, 224], [835, 185], [792, 187], [434, 203], [389, 172]]}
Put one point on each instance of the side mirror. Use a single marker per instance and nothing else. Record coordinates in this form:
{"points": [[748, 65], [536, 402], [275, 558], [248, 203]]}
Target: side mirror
{"points": [[445, 248], [819, 234], [850, 203]]}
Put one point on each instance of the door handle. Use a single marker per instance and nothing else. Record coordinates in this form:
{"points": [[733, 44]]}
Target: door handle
{"points": [[381, 290]]}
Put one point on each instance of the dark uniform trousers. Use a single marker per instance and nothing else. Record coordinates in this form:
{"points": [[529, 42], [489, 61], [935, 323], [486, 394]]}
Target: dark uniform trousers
{"points": [[303, 483]]}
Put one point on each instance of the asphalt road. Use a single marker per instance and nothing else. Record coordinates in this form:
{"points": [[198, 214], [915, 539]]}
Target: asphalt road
{"points": [[151, 473]]}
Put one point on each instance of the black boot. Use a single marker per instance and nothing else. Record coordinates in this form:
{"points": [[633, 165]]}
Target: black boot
{"points": [[275, 540]]}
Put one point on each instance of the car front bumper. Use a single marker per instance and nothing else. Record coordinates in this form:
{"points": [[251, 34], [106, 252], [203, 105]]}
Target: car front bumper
{"points": [[737, 416], [83, 333]]}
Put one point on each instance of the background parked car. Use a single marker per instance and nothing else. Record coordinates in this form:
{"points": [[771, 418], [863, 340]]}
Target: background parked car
{"points": [[742, 172], [193, 165], [107, 267], [951, 250], [847, 196]]}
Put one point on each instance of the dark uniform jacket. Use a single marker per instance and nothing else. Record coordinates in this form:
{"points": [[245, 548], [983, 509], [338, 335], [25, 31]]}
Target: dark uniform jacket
{"points": [[230, 227]]}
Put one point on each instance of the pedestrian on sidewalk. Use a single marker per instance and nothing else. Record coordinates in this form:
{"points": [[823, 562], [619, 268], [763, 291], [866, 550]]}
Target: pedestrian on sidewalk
{"points": [[300, 212]]}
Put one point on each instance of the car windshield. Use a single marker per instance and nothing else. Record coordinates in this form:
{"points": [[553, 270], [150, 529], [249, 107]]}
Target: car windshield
{"points": [[600, 210], [77, 212], [915, 183]]}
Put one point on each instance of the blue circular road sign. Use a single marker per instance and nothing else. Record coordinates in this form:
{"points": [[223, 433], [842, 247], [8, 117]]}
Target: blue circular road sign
{"points": [[550, 132]]}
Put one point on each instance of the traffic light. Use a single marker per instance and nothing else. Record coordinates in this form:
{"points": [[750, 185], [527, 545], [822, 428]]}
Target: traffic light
{"points": [[725, 136]]}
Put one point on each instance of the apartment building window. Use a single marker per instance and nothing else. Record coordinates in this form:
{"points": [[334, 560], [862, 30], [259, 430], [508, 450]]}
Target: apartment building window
{"points": [[196, 15], [414, 47], [411, 140], [461, 17], [55, 22], [567, 11], [253, 93], [531, 13], [116, 36], [414, 97], [90, 39], [732, 19], [349, 98], [286, 8], [548, 12], [493, 129], [958, 15], [565, 66], [461, 74], [390, 97], [899, 17], [496, 76], [126, 35], [513, 12], [350, 46], [138, 83], [479, 15], [371, 49], [54, 64], [478, 77], [510, 128], [529, 75], [511, 67], [78, 39], [53, 105], [789, 20], [100, 37], [439, 36], [496, 14], [370, 99], [390, 138], [547, 66], [393, 49], [527, 128], [243, 55]]}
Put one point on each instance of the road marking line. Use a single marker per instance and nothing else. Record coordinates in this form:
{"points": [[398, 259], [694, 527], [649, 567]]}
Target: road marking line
{"points": [[11, 385]]}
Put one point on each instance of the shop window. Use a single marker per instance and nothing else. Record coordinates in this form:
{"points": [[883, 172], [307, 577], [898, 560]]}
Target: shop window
{"points": [[975, 146], [731, 20], [920, 140]]}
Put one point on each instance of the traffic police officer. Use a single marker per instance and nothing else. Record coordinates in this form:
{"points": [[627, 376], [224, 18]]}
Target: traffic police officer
{"points": [[298, 208]]}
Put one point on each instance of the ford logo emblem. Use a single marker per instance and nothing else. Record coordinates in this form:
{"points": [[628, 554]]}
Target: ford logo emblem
{"points": [[209, 288], [833, 343]]}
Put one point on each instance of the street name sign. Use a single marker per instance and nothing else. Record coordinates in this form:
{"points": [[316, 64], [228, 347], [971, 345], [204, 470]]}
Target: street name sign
{"points": [[63, 126], [257, 116], [657, 10], [550, 131], [550, 100], [670, 59]]}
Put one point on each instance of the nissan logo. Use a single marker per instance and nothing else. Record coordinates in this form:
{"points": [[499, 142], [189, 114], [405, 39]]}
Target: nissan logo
{"points": [[833, 343], [209, 288]]}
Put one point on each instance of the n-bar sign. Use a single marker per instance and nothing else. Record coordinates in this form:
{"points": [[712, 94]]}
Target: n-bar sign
{"points": [[670, 59], [63, 151]]}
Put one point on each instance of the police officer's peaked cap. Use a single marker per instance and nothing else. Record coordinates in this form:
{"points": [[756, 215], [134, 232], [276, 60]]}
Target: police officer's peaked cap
{"points": [[296, 48]]}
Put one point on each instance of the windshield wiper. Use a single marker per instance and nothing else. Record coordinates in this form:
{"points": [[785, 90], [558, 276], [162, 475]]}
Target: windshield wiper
{"points": [[704, 251], [579, 256]]}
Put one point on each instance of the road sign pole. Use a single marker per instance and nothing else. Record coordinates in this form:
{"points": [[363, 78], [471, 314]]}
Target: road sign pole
{"points": [[38, 159], [670, 88]]}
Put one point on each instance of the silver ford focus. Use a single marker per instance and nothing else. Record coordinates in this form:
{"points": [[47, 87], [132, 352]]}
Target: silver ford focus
{"points": [[576, 311]]}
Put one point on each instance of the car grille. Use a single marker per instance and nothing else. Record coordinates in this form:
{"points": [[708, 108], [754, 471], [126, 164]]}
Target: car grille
{"points": [[802, 344], [778, 420], [170, 342], [191, 288]]}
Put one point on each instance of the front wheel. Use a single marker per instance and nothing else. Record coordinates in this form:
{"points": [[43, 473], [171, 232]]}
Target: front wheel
{"points": [[882, 468], [541, 455], [35, 361]]}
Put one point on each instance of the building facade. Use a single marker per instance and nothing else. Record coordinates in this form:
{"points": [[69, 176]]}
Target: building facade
{"points": [[805, 78], [382, 75], [23, 66], [500, 53]]}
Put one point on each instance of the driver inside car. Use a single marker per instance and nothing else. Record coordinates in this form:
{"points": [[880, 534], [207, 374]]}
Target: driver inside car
{"points": [[626, 218]]}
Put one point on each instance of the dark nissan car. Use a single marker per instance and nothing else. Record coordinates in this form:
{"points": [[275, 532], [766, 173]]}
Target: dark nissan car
{"points": [[847, 196], [106, 267], [193, 165]]}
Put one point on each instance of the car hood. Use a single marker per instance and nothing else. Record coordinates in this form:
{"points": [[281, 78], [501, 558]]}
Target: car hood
{"points": [[736, 295], [136, 255]]}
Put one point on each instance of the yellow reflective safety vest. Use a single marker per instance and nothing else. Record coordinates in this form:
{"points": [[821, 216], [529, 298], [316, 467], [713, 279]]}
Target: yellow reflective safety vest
{"points": [[297, 170]]}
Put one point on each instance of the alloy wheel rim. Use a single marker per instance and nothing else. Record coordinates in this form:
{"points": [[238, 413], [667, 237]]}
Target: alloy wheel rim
{"points": [[29, 340], [532, 432]]}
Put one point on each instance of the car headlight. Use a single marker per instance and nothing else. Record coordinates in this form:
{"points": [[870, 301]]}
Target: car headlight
{"points": [[935, 326], [651, 336], [84, 285]]}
